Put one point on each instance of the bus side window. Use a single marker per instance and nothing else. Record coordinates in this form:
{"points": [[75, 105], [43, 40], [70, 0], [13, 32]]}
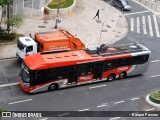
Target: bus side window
{"points": [[109, 64], [140, 59], [57, 73], [124, 61], [39, 77], [84, 69]]}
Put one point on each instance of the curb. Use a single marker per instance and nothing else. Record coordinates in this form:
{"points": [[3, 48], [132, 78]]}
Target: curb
{"points": [[123, 34], [151, 103], [7, 43], [153, 98]]}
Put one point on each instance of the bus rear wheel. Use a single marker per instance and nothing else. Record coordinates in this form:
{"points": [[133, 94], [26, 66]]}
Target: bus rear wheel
{"points": [[111, 77], [52, 87]]}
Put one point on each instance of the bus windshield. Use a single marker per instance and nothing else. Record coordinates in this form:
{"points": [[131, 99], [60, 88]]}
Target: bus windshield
{"points": [[24, 74]]}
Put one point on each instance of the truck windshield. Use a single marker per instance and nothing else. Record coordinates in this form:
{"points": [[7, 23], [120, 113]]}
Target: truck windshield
{"points": [[24, 74], [20, 45]]}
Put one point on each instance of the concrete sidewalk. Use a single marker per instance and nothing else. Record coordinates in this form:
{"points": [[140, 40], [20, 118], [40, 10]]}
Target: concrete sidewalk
{"points": [[109, 28]]}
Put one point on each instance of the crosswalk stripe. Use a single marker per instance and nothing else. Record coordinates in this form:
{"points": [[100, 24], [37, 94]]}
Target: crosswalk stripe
{"points": [[156, 25], [150, 26], [138, 25], [132, 24], [144, 25]]}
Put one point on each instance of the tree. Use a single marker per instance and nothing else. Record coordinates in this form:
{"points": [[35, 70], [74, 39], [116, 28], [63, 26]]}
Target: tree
{"points": [[2, 4], [15, 21]]}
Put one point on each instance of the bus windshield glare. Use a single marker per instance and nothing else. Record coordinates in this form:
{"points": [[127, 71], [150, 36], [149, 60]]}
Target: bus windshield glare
{"points": [[24, 74]]}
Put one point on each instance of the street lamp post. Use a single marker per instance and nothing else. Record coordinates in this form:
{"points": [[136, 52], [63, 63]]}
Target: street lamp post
{"points": [[8, 26], [57, 17]]}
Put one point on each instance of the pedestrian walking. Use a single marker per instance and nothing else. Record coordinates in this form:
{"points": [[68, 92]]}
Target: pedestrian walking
{"points": [[97, 15]]}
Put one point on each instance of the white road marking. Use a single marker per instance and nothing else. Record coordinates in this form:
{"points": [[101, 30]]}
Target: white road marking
{"points": [[138, 25], [118, 102], [64, 114], [135, 98], [83, 110], [136, 13], [132, 24], [150, 109], [97, 86], [10, 84], [44, 119], [19, 101], [103, 105], [144, 6], [150, 26], [156, 25], [155, 61], [144, 25], [155, 76], [115, 118]]}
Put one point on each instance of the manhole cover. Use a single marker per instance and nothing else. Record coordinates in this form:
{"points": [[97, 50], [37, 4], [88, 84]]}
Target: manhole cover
{"points": [[42, 26], [108, 26], [104, 31]]}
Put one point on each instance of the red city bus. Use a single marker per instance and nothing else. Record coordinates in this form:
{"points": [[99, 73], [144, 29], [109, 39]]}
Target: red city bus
{"points": [[54, 70]]}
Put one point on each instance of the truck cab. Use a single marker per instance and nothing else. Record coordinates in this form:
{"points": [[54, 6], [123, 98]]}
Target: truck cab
{"points": [[26, 46]]}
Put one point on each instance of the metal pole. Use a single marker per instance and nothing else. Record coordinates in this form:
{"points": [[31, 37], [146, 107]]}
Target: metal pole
{"points": [[100, 34], [57, 17]]}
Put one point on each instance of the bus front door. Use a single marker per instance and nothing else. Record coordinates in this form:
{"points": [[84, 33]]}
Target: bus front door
{"points": [[72, 75], [98, 67]]}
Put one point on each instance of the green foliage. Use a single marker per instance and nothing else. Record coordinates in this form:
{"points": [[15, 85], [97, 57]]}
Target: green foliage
{"points": [[15, 21], [4, 2], [9, 36], [63, 4]]}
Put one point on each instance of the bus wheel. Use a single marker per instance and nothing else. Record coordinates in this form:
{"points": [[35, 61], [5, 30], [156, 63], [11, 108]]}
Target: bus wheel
{"points": [[122, 75], [111, 77], [52, 87]]}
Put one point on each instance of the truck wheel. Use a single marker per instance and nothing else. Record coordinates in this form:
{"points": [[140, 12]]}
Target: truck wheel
{"points": [[53, 87]]}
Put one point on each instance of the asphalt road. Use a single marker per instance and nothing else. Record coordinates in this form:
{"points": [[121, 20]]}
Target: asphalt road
{"points": [[120, 95]]}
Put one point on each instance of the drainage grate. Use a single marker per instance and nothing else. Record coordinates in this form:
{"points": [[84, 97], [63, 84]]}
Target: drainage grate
{"points": [[104, 31]]}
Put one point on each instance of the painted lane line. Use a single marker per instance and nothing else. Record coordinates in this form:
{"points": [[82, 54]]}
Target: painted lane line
{"points": [[135, 98], [115, 118], [150, 109], [155, 61], [132, 24], [63, 114], [144, 25], [156, 25], [83, 110], [118, 102], [155, 76], [19, 101], [138, 25], [101, 106], [136, 13], [11, 84], [144, 6], [97, 86], [150, 25], [44, 119]]}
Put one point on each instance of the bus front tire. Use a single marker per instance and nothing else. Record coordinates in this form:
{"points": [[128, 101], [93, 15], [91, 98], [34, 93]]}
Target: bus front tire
{"points": [[53, 87], [122, 75], [111, 77]]}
